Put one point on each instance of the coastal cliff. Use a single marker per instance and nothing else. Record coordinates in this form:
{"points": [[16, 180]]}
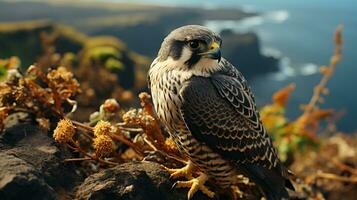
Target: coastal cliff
{"points": [[141, 27]]}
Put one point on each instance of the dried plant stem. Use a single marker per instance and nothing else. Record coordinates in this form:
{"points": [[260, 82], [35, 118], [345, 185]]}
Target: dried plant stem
{"points": [[149, 143], [122, 139], [17, 109], [146, 104], [305, 120], [76, 159], [132, 129], [336, 177], [117, 137], [344, 167], [74, 106], [330, 70], [86, 129], [83, 126], [77, 148], [153, 131], [174, 157]]}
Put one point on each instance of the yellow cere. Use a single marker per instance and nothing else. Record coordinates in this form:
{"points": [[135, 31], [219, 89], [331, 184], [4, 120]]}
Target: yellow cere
{"points": [[214, 46]]}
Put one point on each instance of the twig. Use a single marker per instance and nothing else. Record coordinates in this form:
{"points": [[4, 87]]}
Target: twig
{"points": [[76, 159], [132, 129], [174, 157], [122, 139], [344, 167], [83, 126], [335, 59], [121, 124], [327, 72], [19, 109], [86, 129], [149, 143], [74, 106], [152, 130], [77, 148], [119, 138], [336, 177]]}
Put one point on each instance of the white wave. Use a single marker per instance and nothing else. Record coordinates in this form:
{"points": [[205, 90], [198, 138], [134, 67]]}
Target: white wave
{"points": [[308, 69], [248, 23], [285, 67], [252, 21], [242, 25], [271, 52], [287, 70], [278, 16]]}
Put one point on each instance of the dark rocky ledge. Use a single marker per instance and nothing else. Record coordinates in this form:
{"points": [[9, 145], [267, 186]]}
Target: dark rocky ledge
{"points": [[32, 167], [132, 181], [244, 51]]}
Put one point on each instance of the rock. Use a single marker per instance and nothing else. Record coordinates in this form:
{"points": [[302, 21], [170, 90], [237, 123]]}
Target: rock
{"points": [[243, 51], [134, 180], [20, 180], [11, 135], [31, 165]]}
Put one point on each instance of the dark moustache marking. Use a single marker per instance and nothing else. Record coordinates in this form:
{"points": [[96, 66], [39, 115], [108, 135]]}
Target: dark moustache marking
{"points": [[193, 60]]}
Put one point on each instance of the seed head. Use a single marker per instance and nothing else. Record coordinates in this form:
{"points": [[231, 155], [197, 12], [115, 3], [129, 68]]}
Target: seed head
{"points": [[64, 131], [111, 105], [102, 128], [103, 146], [130, 116], [147, 120]]}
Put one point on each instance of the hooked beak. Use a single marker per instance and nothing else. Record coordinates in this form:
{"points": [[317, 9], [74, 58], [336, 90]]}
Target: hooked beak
{"points": [[214, 52]]}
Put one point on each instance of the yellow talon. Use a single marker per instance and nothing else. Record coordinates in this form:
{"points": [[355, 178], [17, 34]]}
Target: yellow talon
{"points": [[237, 193], [243, 179], [195, 184], [181, 172]]}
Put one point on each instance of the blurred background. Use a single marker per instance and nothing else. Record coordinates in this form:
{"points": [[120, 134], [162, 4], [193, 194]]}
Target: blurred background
{"points": [[109, 44]]}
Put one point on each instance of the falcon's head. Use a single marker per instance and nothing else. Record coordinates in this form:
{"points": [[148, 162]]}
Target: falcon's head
{"points": [[191, 47]]}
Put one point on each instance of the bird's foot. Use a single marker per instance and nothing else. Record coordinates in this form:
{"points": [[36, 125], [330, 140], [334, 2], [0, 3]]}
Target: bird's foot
{"points": [[195, 184], [236, 192], [242, 179], [186, 171]]}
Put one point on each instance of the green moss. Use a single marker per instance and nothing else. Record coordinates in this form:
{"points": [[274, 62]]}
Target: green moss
{"points": [[105, 41], [103, 53], [70, 57], [114, 64], [3, 72]]}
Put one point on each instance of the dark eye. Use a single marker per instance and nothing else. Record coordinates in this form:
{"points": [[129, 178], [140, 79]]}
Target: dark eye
{"points": [[194, 44]]}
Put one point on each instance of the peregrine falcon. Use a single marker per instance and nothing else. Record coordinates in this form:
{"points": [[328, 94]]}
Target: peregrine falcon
{"points": [[210, 113]]}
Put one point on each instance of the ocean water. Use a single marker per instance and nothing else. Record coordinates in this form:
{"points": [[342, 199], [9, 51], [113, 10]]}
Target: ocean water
{"points": [[301, 33]]}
